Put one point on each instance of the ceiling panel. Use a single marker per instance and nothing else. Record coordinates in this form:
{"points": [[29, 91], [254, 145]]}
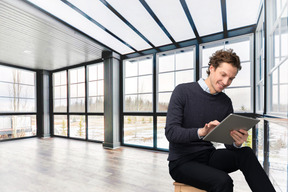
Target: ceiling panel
{"points": [[173, 17], [242, 13], [137, 15], [100, 13], [53, 34], [72, 17], [207, 16], [40, 42]]}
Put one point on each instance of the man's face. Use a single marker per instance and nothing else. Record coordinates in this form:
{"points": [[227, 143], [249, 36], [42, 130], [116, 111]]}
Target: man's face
{"points": [[221, 77]]}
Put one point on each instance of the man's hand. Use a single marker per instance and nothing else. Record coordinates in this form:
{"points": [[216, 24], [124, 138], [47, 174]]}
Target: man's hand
{"points": [[207, 128], [239, 136]]}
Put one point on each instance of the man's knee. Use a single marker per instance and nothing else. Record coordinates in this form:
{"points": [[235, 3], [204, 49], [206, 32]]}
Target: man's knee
{"points": [[223, 184]]}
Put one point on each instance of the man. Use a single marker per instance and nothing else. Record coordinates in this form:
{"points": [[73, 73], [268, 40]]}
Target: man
{"points": [[194, 110]]}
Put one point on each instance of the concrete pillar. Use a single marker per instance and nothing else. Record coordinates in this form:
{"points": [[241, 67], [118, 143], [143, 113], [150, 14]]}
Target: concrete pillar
{"points": [[43, 103], [111, 100]]}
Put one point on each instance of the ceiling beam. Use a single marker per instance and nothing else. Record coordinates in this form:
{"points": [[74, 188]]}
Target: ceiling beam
{"points": [[189, 17], [191, 42], [224, 17], [98, 24], [127, 22], [157, 20]]}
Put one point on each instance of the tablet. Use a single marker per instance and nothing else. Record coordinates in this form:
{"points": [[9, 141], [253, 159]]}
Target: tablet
{"points": [[221, 133]]}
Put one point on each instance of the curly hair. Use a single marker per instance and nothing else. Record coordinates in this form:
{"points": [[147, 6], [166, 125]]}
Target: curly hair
{"points": [[221, 56]]}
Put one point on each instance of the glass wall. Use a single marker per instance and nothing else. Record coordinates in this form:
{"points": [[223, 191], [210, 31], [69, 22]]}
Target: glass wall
{"points": [[17, 103], [259, 59], [78, 98], [146, 94], [173, 68], [277, 80], [240, 91], [138, 98], [277, 91]]}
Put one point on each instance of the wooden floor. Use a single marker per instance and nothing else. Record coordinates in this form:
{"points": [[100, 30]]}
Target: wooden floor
{"points": [[63, 165]]}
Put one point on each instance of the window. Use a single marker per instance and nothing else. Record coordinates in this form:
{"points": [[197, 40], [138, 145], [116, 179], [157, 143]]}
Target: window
{"points": [[278, 59], [240, 91], [138, 130], [141, 124], [173, 68], [77, 126], [96, 88], [79, 119], [138, 85], [60, 125], [260, 65], [138, 98], [60, 91], [18, 91], [96, 102], [96, 127], [77, 90], [18, 95]]}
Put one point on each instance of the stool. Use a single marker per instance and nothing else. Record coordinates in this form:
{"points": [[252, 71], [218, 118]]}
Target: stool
{"points": [[181, 187]]}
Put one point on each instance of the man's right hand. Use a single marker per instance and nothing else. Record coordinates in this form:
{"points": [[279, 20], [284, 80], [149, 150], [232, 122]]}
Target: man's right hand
{"points": [[207, 128]]}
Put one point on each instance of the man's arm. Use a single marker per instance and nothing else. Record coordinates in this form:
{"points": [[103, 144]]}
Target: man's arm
{"points": [[174, 131]]}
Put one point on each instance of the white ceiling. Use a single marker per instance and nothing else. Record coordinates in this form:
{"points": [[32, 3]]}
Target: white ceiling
{"points": [[42, 34]]}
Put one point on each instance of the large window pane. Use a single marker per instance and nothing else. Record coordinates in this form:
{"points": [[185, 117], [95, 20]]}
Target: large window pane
{"points": [[17, 126], [60, 91], [96, 128], [77, 89], [96, 88], [145, 84], [283, 100], [277, 57], [166, 82], [260, 140], [145, 102], [173, 68], [184, 60], [243, 78], [138, 85], [166, 63], [184, 76], [141, 102], [240, 91], [26, 77], [162, 142], [131, 85], [96, 104], [77, 105], [60, 125], [8, 74], [278, 151], [138, 130], [259, 44], [131, 68], [77, 126], [18, 90], [60, 105], [241, 98], [131, 103], [163, 101]]}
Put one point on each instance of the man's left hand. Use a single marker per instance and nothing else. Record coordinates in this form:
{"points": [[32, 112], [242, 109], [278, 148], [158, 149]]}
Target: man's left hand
{"points": [[239, 136]]}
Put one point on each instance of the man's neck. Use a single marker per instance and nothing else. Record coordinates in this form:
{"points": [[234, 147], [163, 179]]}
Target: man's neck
{"points": [[208, 83]]}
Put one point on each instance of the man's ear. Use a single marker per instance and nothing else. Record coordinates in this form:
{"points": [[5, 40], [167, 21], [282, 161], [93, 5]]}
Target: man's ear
{"points": [[211, 67]]}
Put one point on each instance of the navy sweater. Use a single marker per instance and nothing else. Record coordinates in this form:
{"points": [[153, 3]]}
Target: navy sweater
{"points": [[189, 109]]}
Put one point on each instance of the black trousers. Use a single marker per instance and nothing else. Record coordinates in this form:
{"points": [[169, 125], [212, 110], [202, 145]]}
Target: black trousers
{"points": [[209, 170]]}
